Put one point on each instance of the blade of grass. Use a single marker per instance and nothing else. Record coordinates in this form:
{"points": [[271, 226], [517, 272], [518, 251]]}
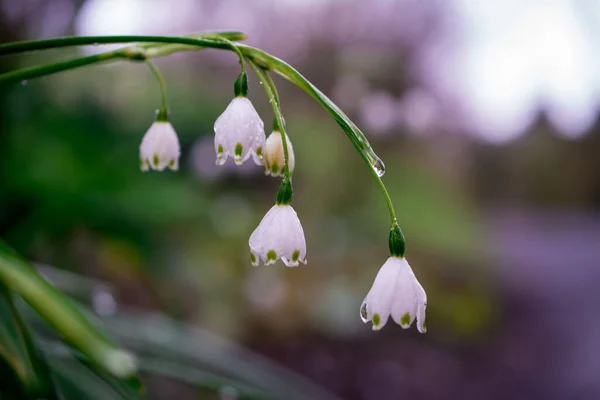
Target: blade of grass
{"points": [[20, 353], [59, 311]]}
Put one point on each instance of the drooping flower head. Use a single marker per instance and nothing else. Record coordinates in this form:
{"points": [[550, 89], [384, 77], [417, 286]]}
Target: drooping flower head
{"points": [[274, 156], [160, 148], [239, 131], [396, 292], [279, 234]]}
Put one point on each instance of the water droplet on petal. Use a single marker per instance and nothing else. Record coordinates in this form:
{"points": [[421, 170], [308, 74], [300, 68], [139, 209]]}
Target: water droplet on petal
{"points": [[363, 313], [378, 166]]}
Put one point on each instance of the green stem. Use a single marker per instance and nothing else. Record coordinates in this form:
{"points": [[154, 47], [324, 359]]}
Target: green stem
{"points": [[163, 114], [271, 94], [48, 69], [273, 87], [233, 47], [46, 44]]}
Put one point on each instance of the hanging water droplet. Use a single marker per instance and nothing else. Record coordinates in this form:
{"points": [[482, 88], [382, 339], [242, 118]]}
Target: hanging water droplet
{"points": [[24, 82], [157, 111], [363, 313], [378, 166]]}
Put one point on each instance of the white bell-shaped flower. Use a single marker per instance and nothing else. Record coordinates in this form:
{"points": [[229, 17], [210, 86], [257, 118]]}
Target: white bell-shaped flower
{"points": [[396, 291], [239, 133], [274, 156], [279, 235], [160, 148]]}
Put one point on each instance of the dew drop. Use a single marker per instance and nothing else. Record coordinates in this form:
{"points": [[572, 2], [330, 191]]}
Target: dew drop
{"points": [[363, 313], [157, 111], [378, 166], [24, 82]]}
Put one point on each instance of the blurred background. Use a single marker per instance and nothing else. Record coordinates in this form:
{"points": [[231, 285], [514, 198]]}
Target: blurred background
{"points": [[485, 113]]}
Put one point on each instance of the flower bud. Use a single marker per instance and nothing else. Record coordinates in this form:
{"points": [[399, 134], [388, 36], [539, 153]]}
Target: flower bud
{"points": [[274, 157]]}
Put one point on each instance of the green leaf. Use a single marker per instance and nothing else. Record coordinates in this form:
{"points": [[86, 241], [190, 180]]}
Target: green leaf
{"points": [[61, 314], [78, 382], [20, 353]]}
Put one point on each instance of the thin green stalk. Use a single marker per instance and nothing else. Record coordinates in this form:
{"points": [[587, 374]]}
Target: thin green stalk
{"points": [[163, 114], [273, 87], [278, 116], [46, 44], [237, 51], [48, 69]]}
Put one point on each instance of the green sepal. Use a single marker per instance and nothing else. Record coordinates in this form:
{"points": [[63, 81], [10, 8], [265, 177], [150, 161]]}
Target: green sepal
{"points": [[397, 242], [276, 126], [240, 87], [284, 193], [163, 115]]}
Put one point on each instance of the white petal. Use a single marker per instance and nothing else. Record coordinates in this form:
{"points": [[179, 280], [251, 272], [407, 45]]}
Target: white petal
{"points": [[404, 304], [380, 297], [257, 238], [239, 131], [421, 307]]}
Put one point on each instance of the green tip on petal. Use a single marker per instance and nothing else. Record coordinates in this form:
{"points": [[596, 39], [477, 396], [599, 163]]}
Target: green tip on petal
{"points": [[220, 149], [274, 168], [405, 320], [376, 320], [252, 258], [238, 149], [156, 159], [296, 256], [259, 152], [271, 255]]}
